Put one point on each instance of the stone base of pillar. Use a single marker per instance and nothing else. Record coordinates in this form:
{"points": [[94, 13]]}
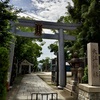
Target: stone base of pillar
{"points": [[60, 87], [88, 92]]}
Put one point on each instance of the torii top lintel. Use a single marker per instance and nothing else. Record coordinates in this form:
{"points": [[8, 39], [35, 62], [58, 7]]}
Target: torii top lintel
{"points": [[48, 25]]}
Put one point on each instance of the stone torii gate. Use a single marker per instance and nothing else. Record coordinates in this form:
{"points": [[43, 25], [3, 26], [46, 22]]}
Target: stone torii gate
{"points": [[58, 36]]}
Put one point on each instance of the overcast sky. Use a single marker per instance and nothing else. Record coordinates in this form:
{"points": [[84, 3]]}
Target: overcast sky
{"points": [[47, 10]]}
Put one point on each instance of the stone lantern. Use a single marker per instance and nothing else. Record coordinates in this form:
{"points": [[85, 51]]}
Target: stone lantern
{"points": [[76, 68]]}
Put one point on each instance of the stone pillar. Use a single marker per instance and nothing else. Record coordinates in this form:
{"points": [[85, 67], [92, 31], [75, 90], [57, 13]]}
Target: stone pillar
{"points": [[91, 91], [62, 74], [93, 64], [20, 69], [29, 68]]}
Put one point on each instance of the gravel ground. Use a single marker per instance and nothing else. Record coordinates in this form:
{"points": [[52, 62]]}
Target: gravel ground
{"points": [[11, 94]]}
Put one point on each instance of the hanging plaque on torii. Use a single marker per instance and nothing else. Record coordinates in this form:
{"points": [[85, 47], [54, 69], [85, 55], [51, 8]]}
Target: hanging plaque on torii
{"points": [[38, 29]]}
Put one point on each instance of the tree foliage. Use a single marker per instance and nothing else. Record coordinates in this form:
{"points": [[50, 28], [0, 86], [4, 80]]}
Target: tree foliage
{"points": [[85, 77], [4, 65], [26, 48], [87, 13], [53, 47], [67, 49], [6, 15], [45, 64]]}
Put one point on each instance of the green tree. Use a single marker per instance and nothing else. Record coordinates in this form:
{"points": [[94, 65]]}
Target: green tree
{"points": [[67, 49], [87, 13], [6, 15], [27, 48], [54, 47], [45, 64], [4, 65], [85, 77]]}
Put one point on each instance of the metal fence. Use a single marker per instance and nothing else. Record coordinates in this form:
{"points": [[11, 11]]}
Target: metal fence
{"points": [[44, 96]]}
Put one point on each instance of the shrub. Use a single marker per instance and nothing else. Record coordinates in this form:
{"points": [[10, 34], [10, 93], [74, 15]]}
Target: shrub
{"points": [[85, 77], [4, 65]]}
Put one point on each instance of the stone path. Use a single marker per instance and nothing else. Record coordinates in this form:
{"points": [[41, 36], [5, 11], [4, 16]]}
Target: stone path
{"points": [[31, 83]]}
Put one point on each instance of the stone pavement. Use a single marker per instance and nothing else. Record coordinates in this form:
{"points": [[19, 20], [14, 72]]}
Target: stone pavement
{"points": [[32, 83]]}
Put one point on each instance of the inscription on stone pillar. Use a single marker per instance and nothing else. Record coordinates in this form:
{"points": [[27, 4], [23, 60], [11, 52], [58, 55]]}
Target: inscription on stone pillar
{"points": [[93, 64]]}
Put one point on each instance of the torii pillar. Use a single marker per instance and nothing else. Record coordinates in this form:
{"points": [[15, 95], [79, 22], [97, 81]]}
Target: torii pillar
{"points": [[62, 73]]}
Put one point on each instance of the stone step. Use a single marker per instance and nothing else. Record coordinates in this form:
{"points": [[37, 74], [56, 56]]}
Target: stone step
{"points": [[73, 95], [66, 95], [70, 87], [41, 99], [72, 82], [70, 98]]}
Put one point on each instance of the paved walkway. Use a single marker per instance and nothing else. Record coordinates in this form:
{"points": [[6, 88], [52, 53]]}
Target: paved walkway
{"points": [[32, 83]]}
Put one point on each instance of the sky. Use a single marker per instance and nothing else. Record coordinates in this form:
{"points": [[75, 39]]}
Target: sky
{"points": [[46, 10]]}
